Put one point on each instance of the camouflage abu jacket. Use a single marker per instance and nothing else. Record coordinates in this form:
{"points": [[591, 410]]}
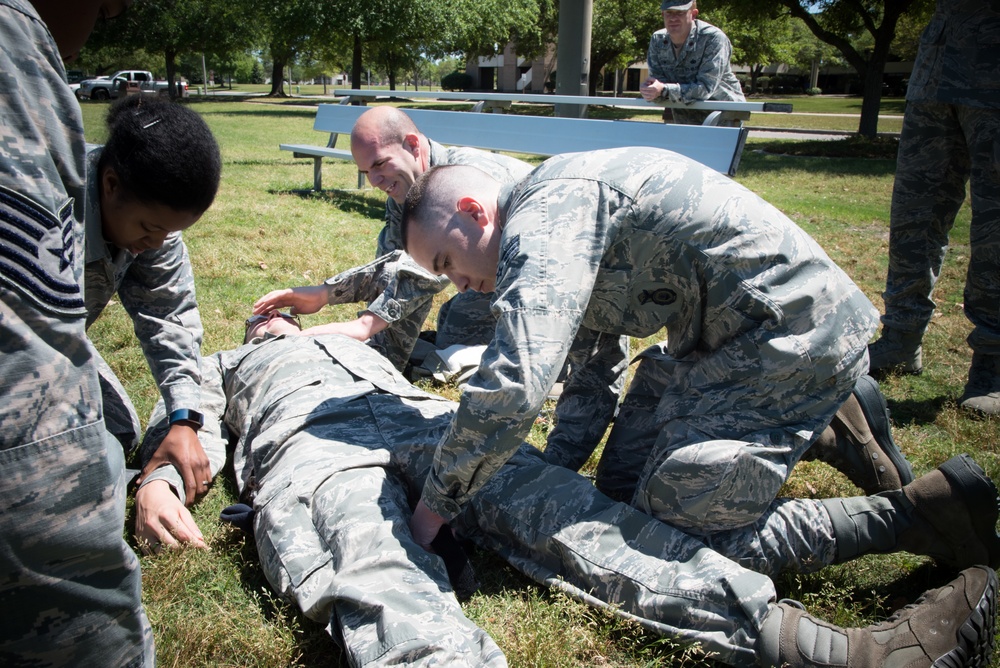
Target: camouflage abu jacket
{"points": [[156, 288], [634, 241]]}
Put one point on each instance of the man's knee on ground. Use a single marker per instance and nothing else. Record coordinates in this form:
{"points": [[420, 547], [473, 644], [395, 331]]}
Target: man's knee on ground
{"points": [[712, 486]]}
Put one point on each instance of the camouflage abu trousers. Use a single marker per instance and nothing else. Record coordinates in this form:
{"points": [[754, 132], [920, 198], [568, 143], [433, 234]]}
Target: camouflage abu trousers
{"points": [[705, 443], [942, 147], [552, 525], [69, 584], [332, 533]]}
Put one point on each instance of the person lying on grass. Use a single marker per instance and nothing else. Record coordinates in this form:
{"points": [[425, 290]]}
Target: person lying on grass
{"points": [[332, 444]]}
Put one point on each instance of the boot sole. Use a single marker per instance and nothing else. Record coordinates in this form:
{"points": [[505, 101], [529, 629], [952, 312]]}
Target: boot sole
{"points": [[876, 412], [979, 492], [977, 634]]}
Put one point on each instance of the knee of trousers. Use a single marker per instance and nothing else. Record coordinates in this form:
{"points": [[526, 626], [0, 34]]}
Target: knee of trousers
{"points": [[711, 486]]}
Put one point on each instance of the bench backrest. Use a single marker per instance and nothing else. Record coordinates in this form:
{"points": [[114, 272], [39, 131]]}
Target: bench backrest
{"points": [[716, 147]]}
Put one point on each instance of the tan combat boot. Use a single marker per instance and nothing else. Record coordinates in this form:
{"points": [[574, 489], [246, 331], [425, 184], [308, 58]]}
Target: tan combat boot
{"points": [[896, 352], [949, 514], [950, 627], [982, 392], [859, 444]]}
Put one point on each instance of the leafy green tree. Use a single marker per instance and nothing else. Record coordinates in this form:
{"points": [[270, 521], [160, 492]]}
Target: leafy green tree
{"points": [[175, 27], [757, 41], [620, 32], [101, 58], [484, 27], [256, 73], [840, 23], [288, 29], [809, 53], [393, 30]]}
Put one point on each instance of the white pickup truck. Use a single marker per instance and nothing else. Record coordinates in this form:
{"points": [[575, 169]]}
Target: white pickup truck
{"points": [[103, 88]]}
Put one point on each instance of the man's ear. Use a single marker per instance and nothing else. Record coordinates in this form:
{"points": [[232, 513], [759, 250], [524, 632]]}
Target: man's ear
{"points": [[471, 206], [411, 143], [694, 13]]}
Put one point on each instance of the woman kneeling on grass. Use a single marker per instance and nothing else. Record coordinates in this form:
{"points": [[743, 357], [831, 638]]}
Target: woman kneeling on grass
{"points": [[156, 175]]}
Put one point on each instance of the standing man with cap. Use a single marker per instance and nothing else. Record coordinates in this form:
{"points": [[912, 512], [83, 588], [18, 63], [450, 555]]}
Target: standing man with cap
{"points": [[689, 61]]}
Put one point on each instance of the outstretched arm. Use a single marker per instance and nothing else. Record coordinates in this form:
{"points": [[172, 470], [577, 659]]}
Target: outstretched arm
{"points": [[303, 300], [361, 328], [181, 449], [161, 519], [161, 516]]}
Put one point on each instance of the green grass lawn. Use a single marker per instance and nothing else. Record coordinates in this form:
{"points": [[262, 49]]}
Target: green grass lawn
{"points": [[267, 231]]}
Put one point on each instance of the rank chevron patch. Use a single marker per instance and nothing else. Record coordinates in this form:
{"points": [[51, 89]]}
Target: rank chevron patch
{"points": [[37, 253]]}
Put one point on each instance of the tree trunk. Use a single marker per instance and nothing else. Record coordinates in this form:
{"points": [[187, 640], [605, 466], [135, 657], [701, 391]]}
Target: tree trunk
{"points": [[356, 71], [170, 57], [872, 91], [872, 85], [277, 76]]}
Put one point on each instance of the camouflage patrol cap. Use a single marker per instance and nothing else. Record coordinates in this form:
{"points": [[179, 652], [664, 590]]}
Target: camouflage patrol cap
{"points": [[676, 5]]}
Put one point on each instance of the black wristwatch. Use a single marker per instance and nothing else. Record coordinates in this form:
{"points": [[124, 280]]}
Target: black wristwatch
{"points": [[188, 417]]}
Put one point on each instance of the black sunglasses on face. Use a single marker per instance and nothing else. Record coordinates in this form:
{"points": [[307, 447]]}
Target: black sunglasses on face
{"points": [[254, 319]]}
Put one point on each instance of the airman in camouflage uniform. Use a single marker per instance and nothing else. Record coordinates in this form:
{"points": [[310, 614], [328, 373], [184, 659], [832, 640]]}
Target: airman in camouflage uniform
{"points": [[69, 584], [330, 435], [951, 136], [156, 288], [389, 148], [399, 291], [765, 336], [696, 69]]}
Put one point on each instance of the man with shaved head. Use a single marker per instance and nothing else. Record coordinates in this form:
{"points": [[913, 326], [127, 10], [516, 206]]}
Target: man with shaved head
{"points": [[763, 352], [388, 148]]}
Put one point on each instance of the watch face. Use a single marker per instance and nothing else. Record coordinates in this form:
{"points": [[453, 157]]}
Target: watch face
{"points": [[188, 416]]}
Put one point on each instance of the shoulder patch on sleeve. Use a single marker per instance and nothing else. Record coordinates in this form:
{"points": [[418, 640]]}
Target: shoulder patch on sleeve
{"points": [[38, 253]]}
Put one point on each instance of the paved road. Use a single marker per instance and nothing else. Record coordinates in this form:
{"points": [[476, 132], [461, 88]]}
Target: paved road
{"points": [[773, 133]]}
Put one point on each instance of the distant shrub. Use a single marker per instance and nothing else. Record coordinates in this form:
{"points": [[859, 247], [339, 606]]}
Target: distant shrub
{"points": [[457, 80], [764, 83], [814, 91]]}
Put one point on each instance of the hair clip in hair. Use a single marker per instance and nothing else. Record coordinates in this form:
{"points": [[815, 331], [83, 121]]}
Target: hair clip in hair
{"points": [[151, 124]]}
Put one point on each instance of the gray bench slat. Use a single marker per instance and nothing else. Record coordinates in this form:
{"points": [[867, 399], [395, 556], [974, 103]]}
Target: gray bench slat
{"points": [[545, 135], [717, 147]]}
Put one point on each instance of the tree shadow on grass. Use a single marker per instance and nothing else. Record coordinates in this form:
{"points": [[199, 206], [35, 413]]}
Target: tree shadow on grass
{"points": [[854, 156], [262, 111], [348, 201]]}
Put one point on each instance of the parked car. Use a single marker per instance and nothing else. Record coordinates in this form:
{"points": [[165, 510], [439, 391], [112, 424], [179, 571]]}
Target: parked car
{"points": [[73, 78], [127, 82]]}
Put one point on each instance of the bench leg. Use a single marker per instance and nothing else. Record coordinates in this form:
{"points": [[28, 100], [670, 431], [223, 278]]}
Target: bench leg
{"points": [[712, 119], [318, 174]]}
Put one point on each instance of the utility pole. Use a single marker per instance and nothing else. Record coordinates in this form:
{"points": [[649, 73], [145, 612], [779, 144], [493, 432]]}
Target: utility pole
{"points": [[573, 54]]}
